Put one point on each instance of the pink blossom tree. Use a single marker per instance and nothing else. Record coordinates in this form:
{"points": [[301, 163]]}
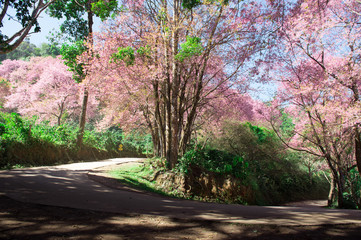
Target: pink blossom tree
{"points": [[318, 64], [161, 64], [315, 107], [328, 33], [42, 87]]}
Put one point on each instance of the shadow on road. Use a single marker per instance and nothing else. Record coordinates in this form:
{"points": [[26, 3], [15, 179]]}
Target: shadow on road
{"points": [[32, 221], [125, 213]]}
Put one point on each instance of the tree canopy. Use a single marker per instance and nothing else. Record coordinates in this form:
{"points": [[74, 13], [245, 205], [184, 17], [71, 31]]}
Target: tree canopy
{"points": [[26, 13], [27, 50]]}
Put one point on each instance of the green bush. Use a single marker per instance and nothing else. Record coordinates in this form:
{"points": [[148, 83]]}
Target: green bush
{"points": [[352, 198], [138, 141], [214, 161], [26, 141], [275, 173]]}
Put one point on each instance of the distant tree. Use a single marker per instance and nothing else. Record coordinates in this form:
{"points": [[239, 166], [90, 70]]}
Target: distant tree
{"points": [[42, 87], [26, 13], [46, 49], [27, 50]]}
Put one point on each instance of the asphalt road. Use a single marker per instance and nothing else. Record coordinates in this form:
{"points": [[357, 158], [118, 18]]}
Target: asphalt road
{"points": [[69, 186]]}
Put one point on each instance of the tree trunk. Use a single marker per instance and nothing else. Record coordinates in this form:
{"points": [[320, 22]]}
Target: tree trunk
{"points": [[331, 194], [340, 182], [82, 119], [340, 189], [156, 141], [358, 149], [86, 93], [174, 141]]}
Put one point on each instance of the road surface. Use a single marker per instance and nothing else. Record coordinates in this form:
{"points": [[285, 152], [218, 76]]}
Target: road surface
{"points": [[69, 186]]}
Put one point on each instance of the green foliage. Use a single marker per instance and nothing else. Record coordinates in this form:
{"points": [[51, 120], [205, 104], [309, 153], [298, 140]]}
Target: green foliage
{"points": [[75, 24], [137, 141], [105, 9], [287, 125], [76, 29], [352, 198], [70, 53], [27, 50], [22, 16], [189, 4], [275, 174], [214, 161], [145, 51], [24, 141], [13, 128], [261, 133], [191, 47], [125, 54]]}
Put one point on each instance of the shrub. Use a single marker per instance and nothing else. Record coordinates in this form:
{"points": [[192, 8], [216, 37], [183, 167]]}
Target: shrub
{"points": [[27, 142], [275, 174], [214, 161]]}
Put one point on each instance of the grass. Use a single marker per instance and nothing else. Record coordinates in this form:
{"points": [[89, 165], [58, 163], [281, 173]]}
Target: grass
{"points": [[137, 175]]}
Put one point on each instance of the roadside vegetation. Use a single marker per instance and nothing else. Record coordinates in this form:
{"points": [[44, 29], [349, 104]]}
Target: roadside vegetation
{"points": [[26, 142], [246, 164]]}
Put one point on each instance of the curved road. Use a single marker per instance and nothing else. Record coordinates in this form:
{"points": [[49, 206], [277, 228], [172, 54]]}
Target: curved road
{"points": [[69, 186]]}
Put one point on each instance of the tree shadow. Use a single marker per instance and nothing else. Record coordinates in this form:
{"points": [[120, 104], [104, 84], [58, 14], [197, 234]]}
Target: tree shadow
{"points": [[33, 221], [126, 213]]}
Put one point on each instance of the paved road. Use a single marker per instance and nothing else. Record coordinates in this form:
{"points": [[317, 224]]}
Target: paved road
{"points": [[69, 186]]}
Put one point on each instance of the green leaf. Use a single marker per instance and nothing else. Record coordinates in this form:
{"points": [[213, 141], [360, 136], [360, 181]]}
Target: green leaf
{"points": [[70, 54], [189, 4], [105, 9], [191, 47], [125, 54]]}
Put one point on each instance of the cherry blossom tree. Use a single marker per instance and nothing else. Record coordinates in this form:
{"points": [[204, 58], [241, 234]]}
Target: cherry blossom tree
{"points": [[317, 110], [318, 63], [328, 33], [165, 61], [42, 87]]}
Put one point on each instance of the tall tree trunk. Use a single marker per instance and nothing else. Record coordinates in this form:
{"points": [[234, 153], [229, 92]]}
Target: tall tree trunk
{"points": [[174, 141], [86, 93], [82, 119], [340, 189], [356, 96], [156, 142], [358, 149], [331, 194]]}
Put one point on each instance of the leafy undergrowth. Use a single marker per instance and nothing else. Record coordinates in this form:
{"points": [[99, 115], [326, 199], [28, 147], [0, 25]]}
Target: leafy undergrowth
{"points": [[27, 142], [199, 183]]}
